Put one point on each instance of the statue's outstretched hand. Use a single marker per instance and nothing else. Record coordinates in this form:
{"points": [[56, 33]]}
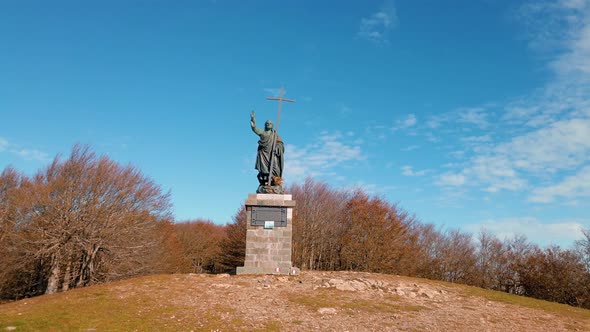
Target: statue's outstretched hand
{"points": [[252, 120]]}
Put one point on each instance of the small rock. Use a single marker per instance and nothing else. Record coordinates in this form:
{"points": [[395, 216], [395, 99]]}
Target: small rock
{"points": [[224, 286], [327, 311], [295, 271], [10, 328], [425, 293], [222, 276]]}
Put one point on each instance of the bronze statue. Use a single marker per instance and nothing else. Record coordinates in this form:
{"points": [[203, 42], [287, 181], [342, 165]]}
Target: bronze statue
{"points": [[270, 155], [269, 160]]}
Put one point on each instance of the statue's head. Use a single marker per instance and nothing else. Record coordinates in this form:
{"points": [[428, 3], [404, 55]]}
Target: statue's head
{"points": [[268, 125]]}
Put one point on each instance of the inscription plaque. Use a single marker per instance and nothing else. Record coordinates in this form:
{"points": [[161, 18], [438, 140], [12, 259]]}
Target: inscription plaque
{"points": [[263, 214]]}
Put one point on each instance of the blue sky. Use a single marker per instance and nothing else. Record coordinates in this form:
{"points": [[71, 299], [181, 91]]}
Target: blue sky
{"points": [[469, 114]]}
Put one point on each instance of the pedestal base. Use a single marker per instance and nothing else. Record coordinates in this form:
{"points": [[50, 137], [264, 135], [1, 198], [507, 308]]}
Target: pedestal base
{"points": [[268, 242]]}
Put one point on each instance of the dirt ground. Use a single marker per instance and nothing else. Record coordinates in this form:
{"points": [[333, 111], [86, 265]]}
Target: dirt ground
{"points": [[312, 301], [345, 301]]}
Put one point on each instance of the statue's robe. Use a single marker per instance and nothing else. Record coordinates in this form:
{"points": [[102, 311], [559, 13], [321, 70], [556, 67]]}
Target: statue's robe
{"points": [[264, 152]]}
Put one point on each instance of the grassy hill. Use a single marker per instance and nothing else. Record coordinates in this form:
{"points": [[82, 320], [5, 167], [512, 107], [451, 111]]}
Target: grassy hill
{"points": [[326, 301]]}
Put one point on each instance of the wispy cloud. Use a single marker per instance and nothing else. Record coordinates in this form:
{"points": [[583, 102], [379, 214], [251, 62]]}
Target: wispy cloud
{"points": [[559, 232], [551, 24], [345, 110], [477, 139], [476, 116], [274, 92], [377, 27], [409, 121], [450, 179], [572, 187], [409, 171], [410, 148], [545, 134], [3, 144], [563, 145], [32, 154], [329, 151], [26, 154], [369, 188]]}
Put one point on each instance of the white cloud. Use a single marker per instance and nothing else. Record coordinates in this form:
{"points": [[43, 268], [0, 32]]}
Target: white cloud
{"points": [[410, 148], [376, 28], [369, 188], [451, 179], [562, 232], [476, 116], [274, 92], [3, 144], [572, 187], [345, 110], [32, 154], [432, 138], [548, 130], [27, 154], [320, 157], [409, 171], [561, 146], [408, 122], [477, 139]]}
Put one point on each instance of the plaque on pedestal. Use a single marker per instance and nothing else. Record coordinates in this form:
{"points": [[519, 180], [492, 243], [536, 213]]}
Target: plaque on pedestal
{"points": [[269, 242]]}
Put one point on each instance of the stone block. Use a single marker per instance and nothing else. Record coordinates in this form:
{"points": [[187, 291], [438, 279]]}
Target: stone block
{"points": [[284, 253], [249, 270], [268, 249]]}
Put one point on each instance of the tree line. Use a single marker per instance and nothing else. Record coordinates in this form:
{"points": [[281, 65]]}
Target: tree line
{"points": [[86, 219]]}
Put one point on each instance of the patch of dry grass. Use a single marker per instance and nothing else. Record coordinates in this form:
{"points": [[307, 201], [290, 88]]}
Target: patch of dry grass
{"points": [[550, 307], [332, 298]]}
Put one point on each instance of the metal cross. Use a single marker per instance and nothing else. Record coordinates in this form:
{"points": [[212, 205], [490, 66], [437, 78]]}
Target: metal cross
{"points": [[276, 133], [280, 99]]}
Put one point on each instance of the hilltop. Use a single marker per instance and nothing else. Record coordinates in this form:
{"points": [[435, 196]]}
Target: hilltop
{"points": [[326, 301]]}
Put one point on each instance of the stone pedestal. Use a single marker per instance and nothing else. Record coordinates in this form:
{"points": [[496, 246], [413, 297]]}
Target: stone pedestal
{"points": [[268, 242]]}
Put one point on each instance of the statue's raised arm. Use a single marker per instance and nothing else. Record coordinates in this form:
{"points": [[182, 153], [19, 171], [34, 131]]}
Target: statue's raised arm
{"points": [[257, 131]]}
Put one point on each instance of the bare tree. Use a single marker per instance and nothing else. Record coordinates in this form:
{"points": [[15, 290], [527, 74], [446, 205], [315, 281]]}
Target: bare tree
{"points": [[518, 249], [233, 245], [91, 220], [19, 272], [451, 255], [200, 242], [492, 261], [317, 227], [583, 248], [555, 275], [377, 236]]}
